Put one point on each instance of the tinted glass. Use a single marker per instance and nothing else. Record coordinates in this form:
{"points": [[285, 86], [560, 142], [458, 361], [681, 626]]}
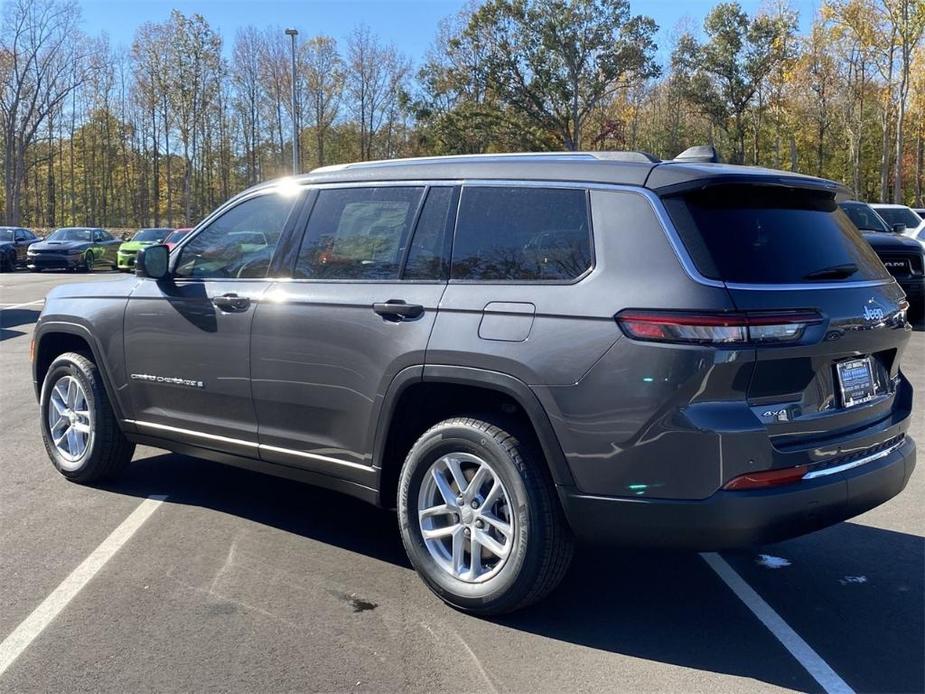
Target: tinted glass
{"points": [[358, 233], [765, 235], [6, 235], [69, 234], [240, 243], [176, 236], [530, 234], [900, 215], [150, 235], [864, 217], [428, 257]]}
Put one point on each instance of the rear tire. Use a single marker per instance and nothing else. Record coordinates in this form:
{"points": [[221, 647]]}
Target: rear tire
{"points": [[97, 449], [539, 545]]}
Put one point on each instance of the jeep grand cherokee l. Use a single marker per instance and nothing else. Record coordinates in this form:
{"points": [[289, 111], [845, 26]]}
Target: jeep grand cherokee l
{"points": [[513, 351]]}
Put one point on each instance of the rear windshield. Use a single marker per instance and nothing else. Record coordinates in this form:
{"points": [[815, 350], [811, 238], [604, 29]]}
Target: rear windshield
{"points": [[771, 235]]}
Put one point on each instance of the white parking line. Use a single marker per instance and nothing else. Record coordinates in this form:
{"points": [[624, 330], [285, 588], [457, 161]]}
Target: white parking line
{"points": [[827, 678], [28, 303], [33, 625]]}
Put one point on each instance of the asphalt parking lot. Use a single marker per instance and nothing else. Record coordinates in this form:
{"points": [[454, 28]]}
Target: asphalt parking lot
{"points": [[244, 582]]}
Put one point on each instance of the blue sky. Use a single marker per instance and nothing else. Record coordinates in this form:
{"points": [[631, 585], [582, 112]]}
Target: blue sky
{"points": [[409, 24]]}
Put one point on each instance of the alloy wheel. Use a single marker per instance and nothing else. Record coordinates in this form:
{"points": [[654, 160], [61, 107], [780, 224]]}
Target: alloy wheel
{"points": [[465, 517], [70, 422]]}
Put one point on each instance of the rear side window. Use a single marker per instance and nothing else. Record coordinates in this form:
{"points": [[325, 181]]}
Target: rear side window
{"points": [[522, 234], [358, 233], [771, 235]]}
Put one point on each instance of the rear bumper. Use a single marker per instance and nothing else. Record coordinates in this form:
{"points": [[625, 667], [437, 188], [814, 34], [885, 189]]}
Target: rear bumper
{"points": [[739, 519]]}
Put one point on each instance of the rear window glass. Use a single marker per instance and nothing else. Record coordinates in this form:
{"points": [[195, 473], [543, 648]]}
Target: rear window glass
{"points": [[522, 234], [771, 235]]}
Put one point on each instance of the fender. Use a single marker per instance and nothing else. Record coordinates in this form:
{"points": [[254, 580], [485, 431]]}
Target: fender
{"points": [[57, 327], [482, 378]]}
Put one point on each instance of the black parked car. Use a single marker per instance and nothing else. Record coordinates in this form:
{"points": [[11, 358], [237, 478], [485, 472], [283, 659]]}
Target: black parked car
{"points": [[14, 242], [74, 248], [903, 257]]}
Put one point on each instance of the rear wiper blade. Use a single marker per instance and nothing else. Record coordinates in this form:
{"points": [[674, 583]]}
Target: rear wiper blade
{"points": [[835, 272]]}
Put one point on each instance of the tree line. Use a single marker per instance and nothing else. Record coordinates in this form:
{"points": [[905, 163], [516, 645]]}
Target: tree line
{"points": [[161, 131]]}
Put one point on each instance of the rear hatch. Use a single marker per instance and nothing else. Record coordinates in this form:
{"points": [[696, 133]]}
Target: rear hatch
{"points": [[836, 389]]}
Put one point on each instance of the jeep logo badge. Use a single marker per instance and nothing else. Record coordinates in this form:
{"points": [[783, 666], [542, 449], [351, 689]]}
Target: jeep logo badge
{"points": [[873, 311]]}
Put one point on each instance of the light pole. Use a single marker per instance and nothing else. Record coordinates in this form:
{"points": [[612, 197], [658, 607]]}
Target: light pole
{"points": [[292, 33]]}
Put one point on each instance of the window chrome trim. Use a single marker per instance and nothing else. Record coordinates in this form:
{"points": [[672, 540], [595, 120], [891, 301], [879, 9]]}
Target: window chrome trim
{"points": [[853, 463], [247, 444], [655, 202], [808, 285]]}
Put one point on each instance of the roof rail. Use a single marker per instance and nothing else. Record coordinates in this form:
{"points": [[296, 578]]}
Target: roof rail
{"points": [[641, 157]]}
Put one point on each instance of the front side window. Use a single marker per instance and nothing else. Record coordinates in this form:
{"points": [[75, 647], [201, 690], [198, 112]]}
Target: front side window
{"points": [[864, 217], [522, 234], [358, 233], [239, 243], [900, 215]]}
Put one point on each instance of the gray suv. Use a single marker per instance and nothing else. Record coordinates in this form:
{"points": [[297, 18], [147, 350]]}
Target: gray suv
{"points": [[512, 351]]}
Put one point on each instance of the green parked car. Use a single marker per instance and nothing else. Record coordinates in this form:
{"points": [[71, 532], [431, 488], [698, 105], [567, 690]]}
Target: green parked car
{"points": [[143, 237]]}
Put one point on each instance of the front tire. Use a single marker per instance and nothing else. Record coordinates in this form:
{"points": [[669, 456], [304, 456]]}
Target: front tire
{"points": [[479, 518], [88, 262], [80, 431]]}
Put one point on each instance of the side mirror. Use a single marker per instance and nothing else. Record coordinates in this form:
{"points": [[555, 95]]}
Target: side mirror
{"points": [[153, 262], [899, 228]]}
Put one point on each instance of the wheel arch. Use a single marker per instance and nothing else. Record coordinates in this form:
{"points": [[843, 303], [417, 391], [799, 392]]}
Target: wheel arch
{"points": [[55, 338], [458, 390]]}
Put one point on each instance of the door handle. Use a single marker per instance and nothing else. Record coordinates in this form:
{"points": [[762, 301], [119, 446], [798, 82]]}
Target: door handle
{"points": [[231, 302], [398, 309]]}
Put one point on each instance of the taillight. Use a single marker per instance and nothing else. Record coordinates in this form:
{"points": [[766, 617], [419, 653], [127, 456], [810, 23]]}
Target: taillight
{"points": [[765, 479], [716, 328]]}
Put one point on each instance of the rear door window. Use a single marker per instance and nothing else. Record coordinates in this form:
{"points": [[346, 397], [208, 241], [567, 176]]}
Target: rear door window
{"points": [[754, 234], [522, 234]]}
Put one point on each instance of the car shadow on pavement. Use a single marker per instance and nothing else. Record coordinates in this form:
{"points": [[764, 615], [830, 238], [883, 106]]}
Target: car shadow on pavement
{"points": [[659, 606], [14, 317]]}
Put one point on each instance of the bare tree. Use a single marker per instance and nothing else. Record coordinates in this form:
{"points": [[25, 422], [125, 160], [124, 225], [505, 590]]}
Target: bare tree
{"points": [[43, 51], [323, 72], [246, 77]]}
